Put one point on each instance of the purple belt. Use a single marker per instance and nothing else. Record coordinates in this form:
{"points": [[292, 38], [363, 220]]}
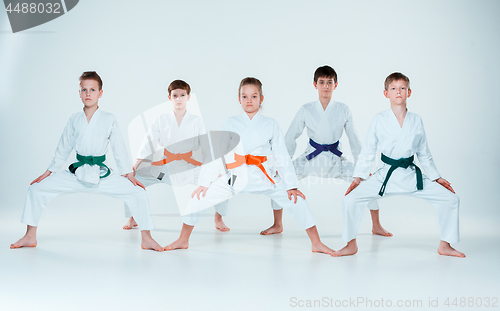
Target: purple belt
{"points": [[322, 148]]}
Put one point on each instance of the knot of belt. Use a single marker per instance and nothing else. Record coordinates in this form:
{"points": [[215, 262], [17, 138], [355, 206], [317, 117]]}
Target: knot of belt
{"points": [[323, 148], [404, 163], [249, 160], [90, 160], [170, 157]]}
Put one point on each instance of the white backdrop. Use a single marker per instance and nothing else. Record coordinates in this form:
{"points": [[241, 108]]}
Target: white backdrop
{"points": [[449, 49]]}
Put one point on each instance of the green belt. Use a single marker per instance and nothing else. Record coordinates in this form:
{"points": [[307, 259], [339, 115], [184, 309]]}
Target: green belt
{"points": [[404, 163], [90, 160]]}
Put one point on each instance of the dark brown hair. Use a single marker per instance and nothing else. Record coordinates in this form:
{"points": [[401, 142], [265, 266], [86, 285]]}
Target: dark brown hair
{"points": [[179, 84], [325, 72]]}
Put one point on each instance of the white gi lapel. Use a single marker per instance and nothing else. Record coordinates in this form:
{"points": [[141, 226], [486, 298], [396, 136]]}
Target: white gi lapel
{"points": [[86, 145], [247, 138], [174, 128], [402, 134], [324, 134], [320, 117], [317, 115], [82, 127]]}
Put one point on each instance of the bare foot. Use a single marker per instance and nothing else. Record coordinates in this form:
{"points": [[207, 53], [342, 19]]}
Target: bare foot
{"points": [[148, 242], [322, 248], [183, 241], [130, 224], [151, 244], [379, 230], [445, 249], [219, 223], [25, 241], [28, 240], [274, 229], [350, 249], [177, 244]]}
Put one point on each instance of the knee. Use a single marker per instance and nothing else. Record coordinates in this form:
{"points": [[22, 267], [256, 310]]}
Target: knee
{"points": [[138, 195], [347, 201], [136, 190], [350, 206], [291, 205], [451, 198], [301, 203], [300, 200], [450, 202], [455, 200], [33, 188]]}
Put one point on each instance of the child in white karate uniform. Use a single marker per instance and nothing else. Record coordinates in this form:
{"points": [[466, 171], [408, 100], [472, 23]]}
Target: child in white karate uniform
{"points": [[248, 169], [89, 133], [178, 134], [399, 135], [325, 120]]}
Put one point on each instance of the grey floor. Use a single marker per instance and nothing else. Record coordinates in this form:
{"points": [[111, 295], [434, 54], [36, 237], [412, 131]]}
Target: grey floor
{"points": [[85, 261]]}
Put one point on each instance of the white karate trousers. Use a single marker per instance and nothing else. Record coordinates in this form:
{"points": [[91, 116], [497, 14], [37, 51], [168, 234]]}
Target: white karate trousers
{"points": [[444, 201], [64, 182], [325, 172], [220, 191], [148, 180]]}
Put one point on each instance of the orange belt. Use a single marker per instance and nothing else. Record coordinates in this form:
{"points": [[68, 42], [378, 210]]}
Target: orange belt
{"points": [[176, 157], [249, 160]]}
